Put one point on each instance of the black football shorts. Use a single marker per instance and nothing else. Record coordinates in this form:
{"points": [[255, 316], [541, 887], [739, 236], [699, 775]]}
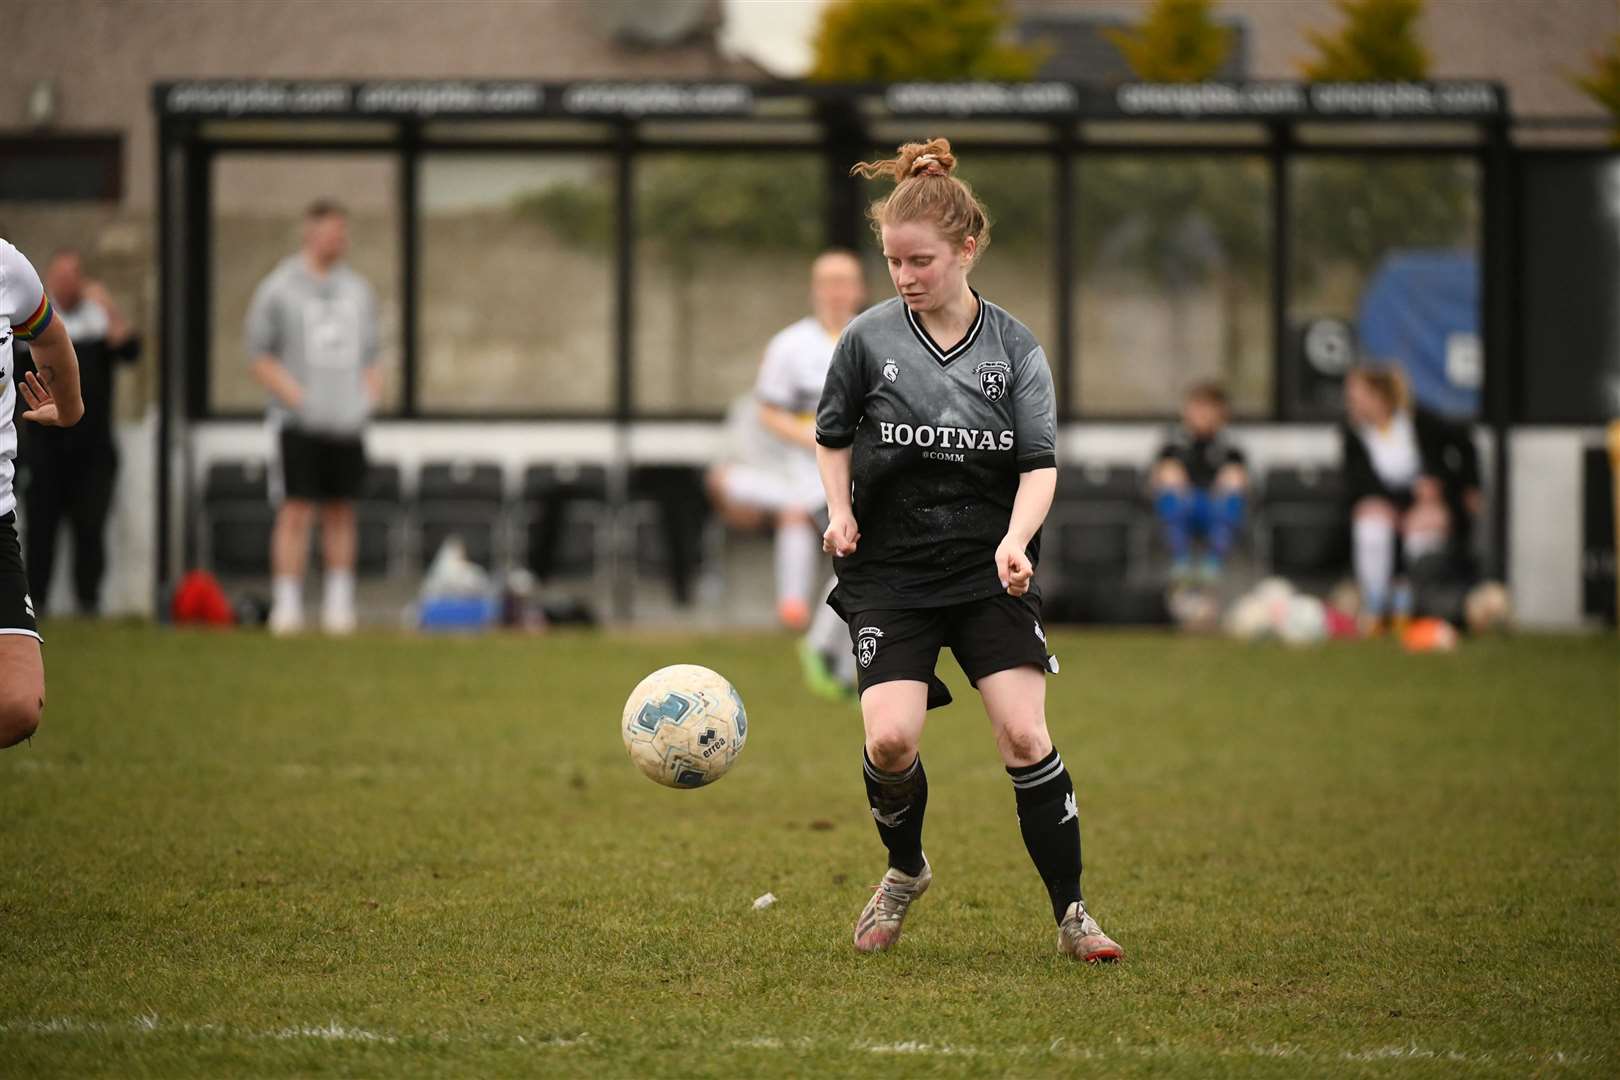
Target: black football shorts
{"points": [[986, 636], [16, 609], [322, 468]]}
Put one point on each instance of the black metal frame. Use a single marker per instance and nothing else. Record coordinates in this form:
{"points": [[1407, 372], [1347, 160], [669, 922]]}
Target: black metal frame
{"points": [[844, 133], [844, 226]]}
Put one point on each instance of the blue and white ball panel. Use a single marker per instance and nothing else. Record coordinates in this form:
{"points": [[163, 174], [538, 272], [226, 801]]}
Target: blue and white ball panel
{"points": [[684, 726]]}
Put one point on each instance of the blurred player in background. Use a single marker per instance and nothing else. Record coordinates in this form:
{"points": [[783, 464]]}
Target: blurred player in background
{"points": [[51, 393], [1200, 488], [311, 338], [937, 429], [780, 478], [72, 471], [1412, 480]]}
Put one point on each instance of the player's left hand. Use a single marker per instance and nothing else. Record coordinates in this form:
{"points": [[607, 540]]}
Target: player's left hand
{"points": [[41, 406], [1013, 568]]}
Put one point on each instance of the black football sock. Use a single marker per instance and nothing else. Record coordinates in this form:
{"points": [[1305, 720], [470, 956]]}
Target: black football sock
{"points": [[898, 801], [1050, 822]]}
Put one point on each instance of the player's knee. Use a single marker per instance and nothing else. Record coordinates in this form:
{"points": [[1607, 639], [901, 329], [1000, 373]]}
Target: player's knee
{"points": [[297, 513], [19, 716], [889, 748], [1170, 476], [1426, 520], [714, 481], [1231, 480], [1373, 508], [1025, 741]]}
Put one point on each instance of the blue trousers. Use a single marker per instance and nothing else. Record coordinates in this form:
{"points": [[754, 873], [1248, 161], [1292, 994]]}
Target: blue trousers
{"points": [[1200, 514]]}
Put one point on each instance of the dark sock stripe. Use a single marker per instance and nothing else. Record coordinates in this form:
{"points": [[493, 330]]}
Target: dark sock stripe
{"points": [[1021, 772], [882, 777]]}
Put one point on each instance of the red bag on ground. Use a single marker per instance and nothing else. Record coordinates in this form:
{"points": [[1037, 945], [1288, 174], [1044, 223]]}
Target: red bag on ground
{"points": [[199, 599]]}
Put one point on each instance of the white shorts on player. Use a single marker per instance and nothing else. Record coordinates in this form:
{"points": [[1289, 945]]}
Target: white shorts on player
{"points": [[771, 477], [776, 486]]}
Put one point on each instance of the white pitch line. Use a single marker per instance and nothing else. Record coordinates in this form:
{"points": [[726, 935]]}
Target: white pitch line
{"points": [[335, 1031]]}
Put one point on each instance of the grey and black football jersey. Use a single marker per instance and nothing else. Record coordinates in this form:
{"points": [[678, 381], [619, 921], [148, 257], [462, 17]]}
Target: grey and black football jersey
{"points": [[939, 438]]}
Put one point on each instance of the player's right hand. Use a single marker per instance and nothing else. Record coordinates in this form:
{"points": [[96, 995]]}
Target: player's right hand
{"points": [[841, 536], [41, 405]]}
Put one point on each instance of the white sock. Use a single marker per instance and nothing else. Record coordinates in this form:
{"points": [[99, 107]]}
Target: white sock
{"points": [[796, 549], [339, 592], [1374, 543], [287, 594]]}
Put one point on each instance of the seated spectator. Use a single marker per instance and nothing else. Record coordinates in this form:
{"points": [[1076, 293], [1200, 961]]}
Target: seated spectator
{"points": [[780, 480], [1200, 488], [1412, 481]]}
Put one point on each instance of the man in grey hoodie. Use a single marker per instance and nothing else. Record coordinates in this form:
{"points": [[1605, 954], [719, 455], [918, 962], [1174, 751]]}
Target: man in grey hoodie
{"points": [[311, 338]]}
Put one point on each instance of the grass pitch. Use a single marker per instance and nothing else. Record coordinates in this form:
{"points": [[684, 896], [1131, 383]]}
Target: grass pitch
{"points": [[225, 855]]}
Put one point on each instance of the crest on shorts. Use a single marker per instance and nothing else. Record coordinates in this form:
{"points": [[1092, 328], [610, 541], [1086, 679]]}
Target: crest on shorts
{"points": [[866, 643], [891, 370], [993, 378]]}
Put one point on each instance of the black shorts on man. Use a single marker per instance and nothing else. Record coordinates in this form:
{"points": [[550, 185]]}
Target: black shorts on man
{"points": [[322, 468], [995, 634], [16, 609]]}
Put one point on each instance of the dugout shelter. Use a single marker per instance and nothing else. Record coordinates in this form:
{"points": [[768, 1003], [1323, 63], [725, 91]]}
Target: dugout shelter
{"points": [[581, 277]]}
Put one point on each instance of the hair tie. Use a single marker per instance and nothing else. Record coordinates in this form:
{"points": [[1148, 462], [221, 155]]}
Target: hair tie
{"points": [[931, 166]]}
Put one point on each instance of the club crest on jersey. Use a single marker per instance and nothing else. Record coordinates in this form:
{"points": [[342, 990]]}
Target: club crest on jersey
{"points": [[866, 643], [993, 378], [891, 370]]}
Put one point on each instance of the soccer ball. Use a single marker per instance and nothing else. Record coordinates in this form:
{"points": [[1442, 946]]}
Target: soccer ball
{"points": [[684, 726], [1487, 608], [1304, 620]]}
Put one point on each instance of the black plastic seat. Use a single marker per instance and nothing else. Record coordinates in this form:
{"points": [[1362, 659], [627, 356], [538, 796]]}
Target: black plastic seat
{"points": [[237, 517], [464, 498], [380, 514], [1302, 520]]}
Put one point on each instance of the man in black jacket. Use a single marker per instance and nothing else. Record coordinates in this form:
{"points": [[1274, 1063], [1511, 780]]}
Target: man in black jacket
{"points": [[72, 470]]}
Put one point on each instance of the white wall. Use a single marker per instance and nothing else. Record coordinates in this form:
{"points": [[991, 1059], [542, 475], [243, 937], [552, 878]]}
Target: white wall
{"points": [[1545, 524]]}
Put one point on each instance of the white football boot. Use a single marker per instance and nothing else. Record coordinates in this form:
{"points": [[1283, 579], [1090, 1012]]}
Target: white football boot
{"points": [[878, 928], [1079, 936]]}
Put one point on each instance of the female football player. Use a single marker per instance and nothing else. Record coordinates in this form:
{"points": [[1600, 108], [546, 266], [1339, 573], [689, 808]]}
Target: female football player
{"points": [[53, 399], [936, 447]]}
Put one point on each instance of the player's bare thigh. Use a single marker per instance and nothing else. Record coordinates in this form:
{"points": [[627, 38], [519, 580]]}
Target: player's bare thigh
{"points": [[22, 687], [1015, 701], [893, 714]]}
